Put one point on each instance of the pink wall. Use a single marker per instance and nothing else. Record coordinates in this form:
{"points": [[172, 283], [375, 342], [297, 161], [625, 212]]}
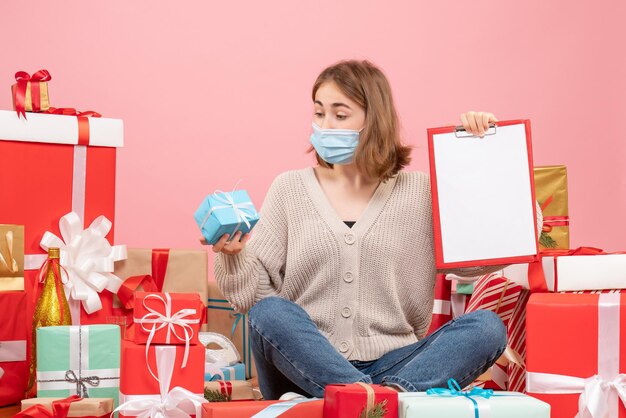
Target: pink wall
{"points": [[212, 92]]}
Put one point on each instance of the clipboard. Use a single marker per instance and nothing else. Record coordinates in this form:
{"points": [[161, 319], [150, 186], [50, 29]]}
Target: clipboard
{"points": [[483, 196]]}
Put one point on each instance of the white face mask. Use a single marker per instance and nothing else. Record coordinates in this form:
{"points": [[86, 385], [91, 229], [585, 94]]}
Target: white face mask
{"points": [[335, 146]]}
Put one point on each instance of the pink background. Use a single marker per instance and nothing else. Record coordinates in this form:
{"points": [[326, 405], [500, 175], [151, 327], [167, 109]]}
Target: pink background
{"points": [[213, 92]]}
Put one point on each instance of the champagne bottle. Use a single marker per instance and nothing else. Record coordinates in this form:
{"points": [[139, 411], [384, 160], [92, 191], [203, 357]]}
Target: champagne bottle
{"points": [[52, 308]]}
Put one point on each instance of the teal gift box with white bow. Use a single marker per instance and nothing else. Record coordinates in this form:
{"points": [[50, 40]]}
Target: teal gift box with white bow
{"points": [[78, 360], [453, 402], [226, 213]]}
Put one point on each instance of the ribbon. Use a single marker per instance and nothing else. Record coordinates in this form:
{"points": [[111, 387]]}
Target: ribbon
{"points": [[175, 403], [600, 392], [370, 397], [149, 283], [81, 119], [536, 276], [11, 264], [79, 375], [12, 351], [551, 221], [170, 321], [23, 78], [229, 203], [87, 258], [226, 388], [160, 258], [60, 409], [455, 390], [127, 290]]}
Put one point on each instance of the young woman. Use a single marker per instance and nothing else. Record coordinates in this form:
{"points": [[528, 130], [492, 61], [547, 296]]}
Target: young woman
{"points": [[338, 274]]}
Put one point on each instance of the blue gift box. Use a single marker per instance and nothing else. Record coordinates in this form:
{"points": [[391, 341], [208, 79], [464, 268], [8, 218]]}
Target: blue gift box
{"points": [[235, 372], [226, 213]]}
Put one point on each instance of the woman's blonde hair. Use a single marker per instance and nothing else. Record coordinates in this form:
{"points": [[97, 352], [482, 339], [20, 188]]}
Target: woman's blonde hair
{"points": [[380, 153]]}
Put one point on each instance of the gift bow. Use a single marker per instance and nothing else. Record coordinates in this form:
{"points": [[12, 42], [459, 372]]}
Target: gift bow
{"points": [[60, 409], [175, 403], [87, 258], [11, 264], [169, 321], [594, 391], [23, 78], [229, 203], [81, 387], [455, 390]]}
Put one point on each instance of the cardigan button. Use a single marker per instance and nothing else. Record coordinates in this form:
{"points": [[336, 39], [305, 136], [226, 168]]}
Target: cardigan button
{"points": [[349, 238], [344, 346], [348, 277], [346, 312]]}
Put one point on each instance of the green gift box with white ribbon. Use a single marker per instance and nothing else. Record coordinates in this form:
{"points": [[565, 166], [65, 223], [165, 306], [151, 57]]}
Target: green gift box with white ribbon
{"points": [[81, 360]]}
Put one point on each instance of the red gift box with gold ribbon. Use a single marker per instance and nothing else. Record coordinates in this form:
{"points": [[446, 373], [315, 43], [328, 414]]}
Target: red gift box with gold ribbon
{"points": [[350, 400]]}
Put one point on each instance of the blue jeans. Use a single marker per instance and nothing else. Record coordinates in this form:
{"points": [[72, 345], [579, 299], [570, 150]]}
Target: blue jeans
{"points": [[293, 356]]}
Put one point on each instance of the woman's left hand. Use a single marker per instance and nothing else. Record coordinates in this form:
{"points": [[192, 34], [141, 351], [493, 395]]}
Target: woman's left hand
{"points": [[477, 123]]}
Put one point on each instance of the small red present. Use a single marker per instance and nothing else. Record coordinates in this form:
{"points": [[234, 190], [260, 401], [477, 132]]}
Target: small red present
{"points": [[13, 336], [351, 400], [167, 318]]}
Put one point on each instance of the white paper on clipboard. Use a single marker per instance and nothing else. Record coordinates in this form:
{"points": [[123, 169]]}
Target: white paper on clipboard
{"points": [[486, 210]]}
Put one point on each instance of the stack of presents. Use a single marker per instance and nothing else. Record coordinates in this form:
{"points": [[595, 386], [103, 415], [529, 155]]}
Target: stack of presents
{"points": [[91, 328]]}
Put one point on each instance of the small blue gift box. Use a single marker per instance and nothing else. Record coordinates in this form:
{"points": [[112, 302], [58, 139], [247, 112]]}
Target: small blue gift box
{"points": [[234, 372], [226, 213]]}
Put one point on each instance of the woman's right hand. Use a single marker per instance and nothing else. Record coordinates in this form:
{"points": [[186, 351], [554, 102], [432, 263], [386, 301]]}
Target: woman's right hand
{"points": [[232, 247]]}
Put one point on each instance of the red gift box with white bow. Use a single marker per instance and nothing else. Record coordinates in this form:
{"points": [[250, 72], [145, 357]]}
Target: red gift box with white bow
{"points": [[576, 353], [167, 318]]}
